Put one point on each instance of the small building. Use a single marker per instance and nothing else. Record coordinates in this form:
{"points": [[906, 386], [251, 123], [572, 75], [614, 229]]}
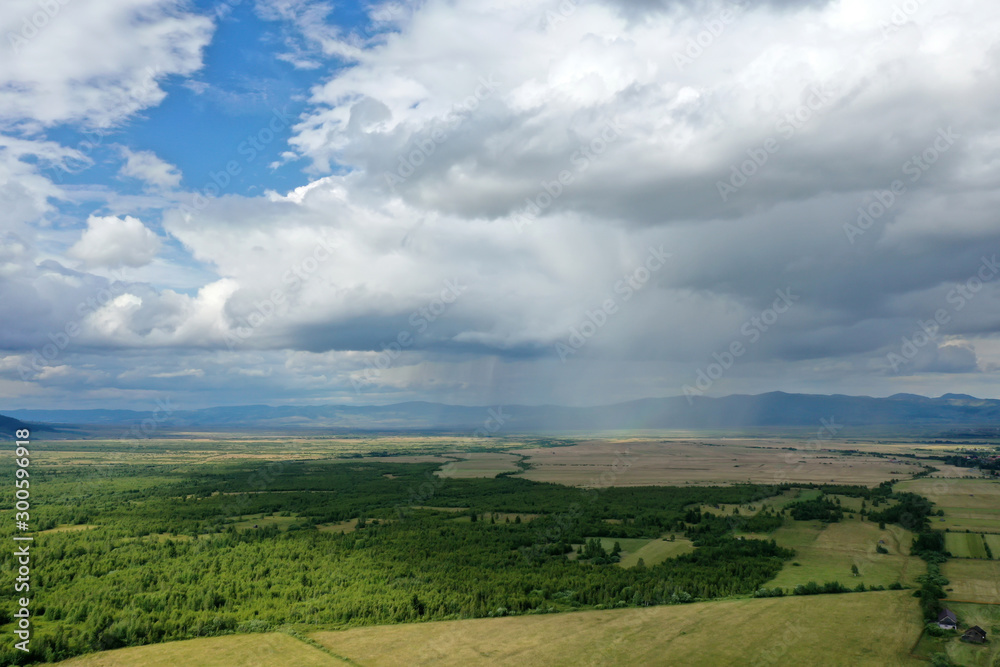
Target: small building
{"points": [[975, 634], [947, 620]]}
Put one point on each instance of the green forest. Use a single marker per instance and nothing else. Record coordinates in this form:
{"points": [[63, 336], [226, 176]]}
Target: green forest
{"points": [[170, 554]]}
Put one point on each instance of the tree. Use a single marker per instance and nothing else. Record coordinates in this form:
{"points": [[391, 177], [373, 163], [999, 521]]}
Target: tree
{"points": [[854, 570]]}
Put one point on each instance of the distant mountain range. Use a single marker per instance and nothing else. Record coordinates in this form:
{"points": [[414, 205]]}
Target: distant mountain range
{"points": [[9, 426], [775, 409]]}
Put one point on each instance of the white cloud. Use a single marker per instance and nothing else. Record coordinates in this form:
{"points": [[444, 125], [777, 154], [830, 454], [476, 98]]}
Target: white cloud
{"points": [[113, 242], [147, 167], [325, 276], [94, 63]]}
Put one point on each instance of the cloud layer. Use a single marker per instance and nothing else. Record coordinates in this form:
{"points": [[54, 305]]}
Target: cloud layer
{"points": [[536, 202]]}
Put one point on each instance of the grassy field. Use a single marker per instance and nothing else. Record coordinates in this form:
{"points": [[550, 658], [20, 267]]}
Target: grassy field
{"points": [[482, 464], [631, 462], [650, 551], [656, 551], [962, 653], [965, 545], [831, 630], [233, 651], [973, 580], [968, 504], [262, 520], [826, 552]]}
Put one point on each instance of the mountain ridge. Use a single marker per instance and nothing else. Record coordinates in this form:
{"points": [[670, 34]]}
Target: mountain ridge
{"points": [[733, 411]]}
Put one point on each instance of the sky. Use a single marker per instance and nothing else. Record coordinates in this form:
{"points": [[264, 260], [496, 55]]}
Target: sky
{"points": [[478, 202]]}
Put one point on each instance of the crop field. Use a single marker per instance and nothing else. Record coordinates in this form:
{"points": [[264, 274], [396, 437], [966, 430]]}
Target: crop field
{"points": [[965, 545], [482, 464], [826, 552], [257, 650], [867, 629], [667, 462], [968, 504], [973, 580], [284, 541]]}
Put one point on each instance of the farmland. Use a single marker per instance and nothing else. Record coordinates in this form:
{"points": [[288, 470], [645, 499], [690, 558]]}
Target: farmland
{"points": [[630, 462], [234, 651], [973, 580], [364, 540], [826, 552], [968, 504], [847, 630]]}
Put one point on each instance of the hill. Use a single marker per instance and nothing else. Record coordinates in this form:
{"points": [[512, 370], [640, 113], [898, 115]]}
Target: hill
{"points": [[959, 415], [9, 426]]}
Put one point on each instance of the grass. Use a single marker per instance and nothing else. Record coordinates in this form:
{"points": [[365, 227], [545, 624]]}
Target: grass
{"points": [[962, 653], [656, 551], [973, 580], [481, 464], [827, 552], [262, 520], [832, 630], [968, 504], [650, 551], [348, 526], [501, 517], [776, 502], [994, 542], [67, 528], [965, 545], [231, 651], [680, 461]]}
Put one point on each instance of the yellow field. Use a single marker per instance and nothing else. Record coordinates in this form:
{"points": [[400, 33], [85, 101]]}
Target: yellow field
{"points": [[481, 464], [826, 553], [679, 462], [973, 580], [265, 650], [875, 629], [67, 528]]}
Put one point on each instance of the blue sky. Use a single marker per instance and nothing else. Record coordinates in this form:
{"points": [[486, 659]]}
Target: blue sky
{"points": [[550, 201]]}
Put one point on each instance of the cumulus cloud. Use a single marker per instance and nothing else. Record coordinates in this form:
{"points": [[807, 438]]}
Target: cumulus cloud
{"points": [[531, 158], [93, 63], [150, 169], [113, 242]]}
